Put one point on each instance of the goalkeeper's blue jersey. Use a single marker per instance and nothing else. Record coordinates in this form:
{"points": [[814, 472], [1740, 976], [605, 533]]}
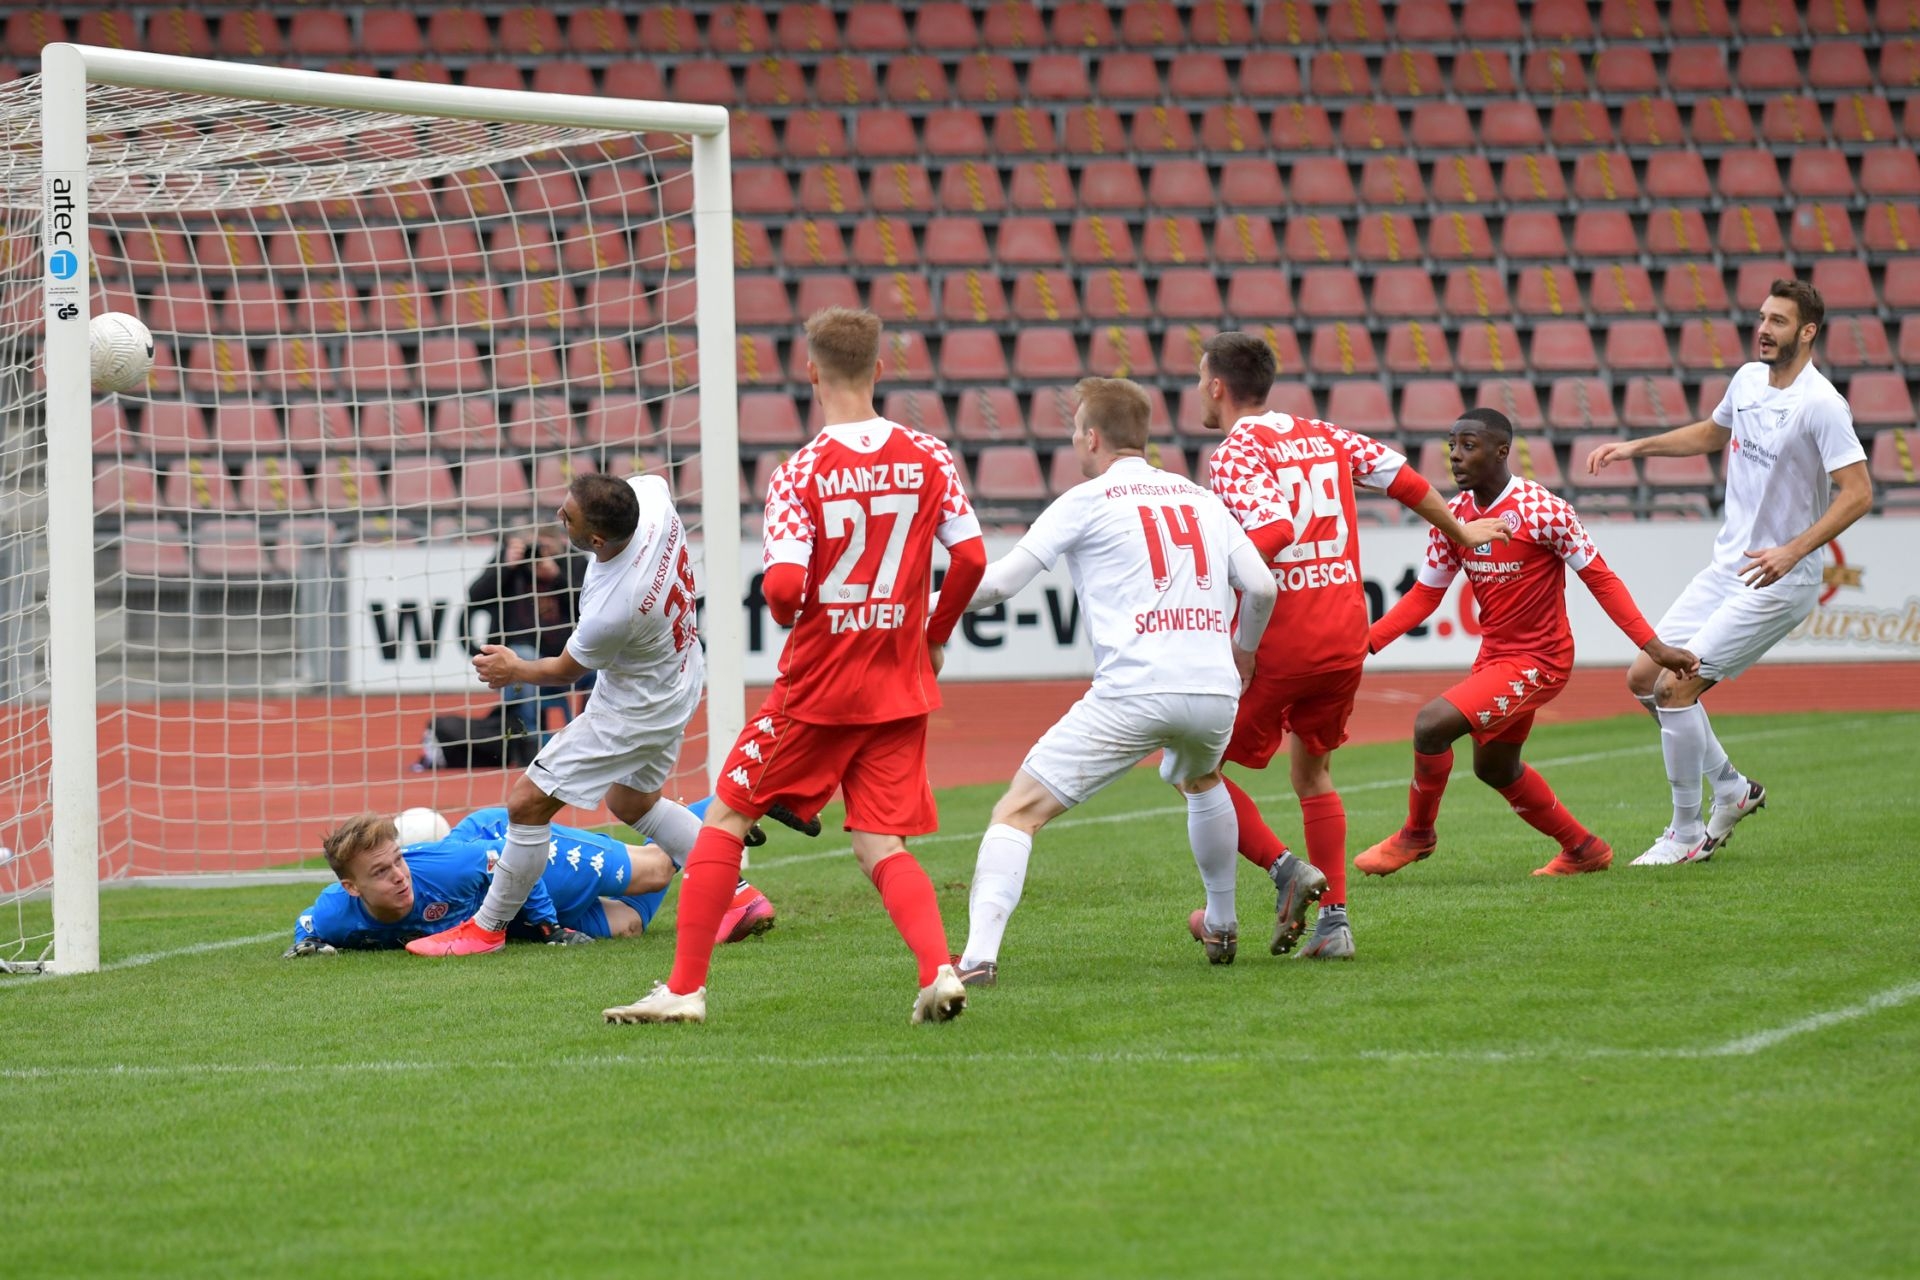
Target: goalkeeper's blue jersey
{"points": [[582, 867], [450, 881]]}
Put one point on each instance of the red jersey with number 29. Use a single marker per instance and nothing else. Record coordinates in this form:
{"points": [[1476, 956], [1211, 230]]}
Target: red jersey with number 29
{"points": [[1302, 470], [859, 506], [1520, 586]]}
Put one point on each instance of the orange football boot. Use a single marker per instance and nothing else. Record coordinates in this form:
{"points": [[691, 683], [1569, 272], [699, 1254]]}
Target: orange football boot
{"points": [[1395, 852], [1591, 854], [469, 939]]}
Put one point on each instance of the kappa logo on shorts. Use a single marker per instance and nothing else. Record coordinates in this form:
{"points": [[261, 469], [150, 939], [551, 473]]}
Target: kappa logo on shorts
{"points": [[738, 777], [1486, 718], [435, 911], [1518, 688], [1500, 701], [765, 725], [751, 750], [1532, 674]]}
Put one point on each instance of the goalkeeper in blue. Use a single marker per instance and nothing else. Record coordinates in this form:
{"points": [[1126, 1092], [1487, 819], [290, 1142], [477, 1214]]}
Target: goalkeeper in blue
{"points": [[593, 886]]}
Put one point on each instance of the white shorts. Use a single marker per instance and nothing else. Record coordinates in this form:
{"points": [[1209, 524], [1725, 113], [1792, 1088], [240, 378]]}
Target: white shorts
{"points": [[1729, 625], [583, 761], [1099, 739]]}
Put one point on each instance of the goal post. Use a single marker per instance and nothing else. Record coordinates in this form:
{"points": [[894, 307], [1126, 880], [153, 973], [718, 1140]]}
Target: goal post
{"points": [[135, 147]]}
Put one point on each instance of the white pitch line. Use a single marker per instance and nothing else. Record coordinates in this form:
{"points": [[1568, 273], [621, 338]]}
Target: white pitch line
{"points": [[152, 957], [1739, 1047]]}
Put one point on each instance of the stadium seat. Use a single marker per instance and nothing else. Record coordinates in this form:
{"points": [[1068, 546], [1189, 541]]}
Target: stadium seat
{"points": [[1856, 342], [1821, 227], [1418, 347], [1652, 122], [989, 413], [1429, 404], [124, 488], [1018, 131], [1244, 238], [739, 30], [1621, 289], [400, 426], [1694, 472], [1637, 344], [1386, 237], [944, 27], [1678, 177], [1414, 74], [1336, 74], [601, 32], [1678, 233], [816, 293], [1547, 291], [1051, 417], [1897, 17], [1025, 242], [1289, 23], [1301, 126], [1822, 174], [975, 355], [1045, 296], [1527, 179], [1371, 126], [1121, 351], [230, 549], [972, 297], [624, 421], [1721, 122], [1885, 171], [1481, 73], [1534, 459], [296, 364], [919, 409], [1188, 293], [197, 484], [1890, 228], [1863, 119], [985, 77], [1528, 234], [1901, 285], [1749, 230], [1149, 24], [1391, 181], [272, 483], [1909, 348], [1580, 404], [1551, 74], [1767, 68], [806, 28], [1322, 182], [901, 298], [1127, 77], [812, 242], [1514, 397], [901, 187], [1792, 118], [540, 422], [1259, 293], [1604, 234], [956, 242], [1342, 350], [1044, 186], [1890, 462], [1158, 130], [814, 134], [1009, 473], [1331, 293], [1490, 346], [1562, 346], [1845, 285], [1432, 465], [530, 362], [1475, 291], [1656, 403], [884, 242], [446, 364], [1838, 65], [956, 132], [916, 78], [1403, 292], [1315, 238], [1361, 405]]}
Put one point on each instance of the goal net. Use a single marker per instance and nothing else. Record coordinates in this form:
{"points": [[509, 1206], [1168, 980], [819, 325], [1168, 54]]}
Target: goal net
{"points": [[391, 321]]}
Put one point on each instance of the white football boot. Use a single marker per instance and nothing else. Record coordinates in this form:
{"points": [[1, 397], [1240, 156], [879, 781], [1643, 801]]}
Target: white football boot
{"points": [[1725, 817], [1670, 849], [942, 1000], [661, 1005]]}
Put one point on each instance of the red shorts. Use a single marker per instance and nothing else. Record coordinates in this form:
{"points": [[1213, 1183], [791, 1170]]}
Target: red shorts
{"points": [[1314, 708], [881, 768], [1499, 698]]}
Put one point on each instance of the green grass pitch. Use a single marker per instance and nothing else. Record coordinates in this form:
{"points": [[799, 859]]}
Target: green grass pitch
{"points": [[1701, 1071]]}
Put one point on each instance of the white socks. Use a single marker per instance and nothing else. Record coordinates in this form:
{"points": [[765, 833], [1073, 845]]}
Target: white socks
{"points": [[1214, 833], [1684, 734], [514, 876], [998, 876], [1729, 785], [673, 827]]}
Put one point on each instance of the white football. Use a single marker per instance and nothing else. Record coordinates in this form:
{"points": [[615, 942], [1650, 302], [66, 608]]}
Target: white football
{"points": [[421, 826], [121, 351]]}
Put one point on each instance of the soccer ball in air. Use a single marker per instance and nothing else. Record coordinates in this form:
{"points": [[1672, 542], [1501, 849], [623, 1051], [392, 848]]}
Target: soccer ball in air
{"points": [[120, 350], [421, 826]]}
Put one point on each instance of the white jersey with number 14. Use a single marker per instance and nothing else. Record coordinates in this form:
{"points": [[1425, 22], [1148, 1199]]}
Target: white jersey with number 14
{"points": [[1148, 552]]}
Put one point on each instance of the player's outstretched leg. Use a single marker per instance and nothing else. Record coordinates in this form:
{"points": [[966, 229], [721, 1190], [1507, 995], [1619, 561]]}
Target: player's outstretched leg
{"points": [[1498, 764], [1435, 730], [522, 858], [1000, 873]]}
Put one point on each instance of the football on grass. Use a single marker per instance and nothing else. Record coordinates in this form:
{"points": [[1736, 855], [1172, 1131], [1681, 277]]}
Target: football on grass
{"points": [[121, 352]]}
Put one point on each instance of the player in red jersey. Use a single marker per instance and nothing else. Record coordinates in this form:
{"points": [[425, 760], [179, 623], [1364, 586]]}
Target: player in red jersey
{"points": [[1526, 649], [1290, 483], [851, 521]]}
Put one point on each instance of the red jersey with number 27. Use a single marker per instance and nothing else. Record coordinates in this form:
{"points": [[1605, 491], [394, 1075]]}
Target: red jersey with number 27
{"points": [[1279, 467], [1520, 586], [859, 506]]}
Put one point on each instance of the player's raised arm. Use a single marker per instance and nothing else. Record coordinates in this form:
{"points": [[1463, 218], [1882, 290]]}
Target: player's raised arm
{"points": [[498, 666]]}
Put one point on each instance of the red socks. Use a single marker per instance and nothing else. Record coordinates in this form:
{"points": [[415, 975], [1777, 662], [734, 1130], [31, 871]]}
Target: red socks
{"points": [[1326, 822], [1429, 784], [1535, 802], [1258, 844], [706, 891], [908, 896]]}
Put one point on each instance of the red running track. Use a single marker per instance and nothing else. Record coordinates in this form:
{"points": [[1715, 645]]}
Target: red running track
{"points": [[205, 786]]}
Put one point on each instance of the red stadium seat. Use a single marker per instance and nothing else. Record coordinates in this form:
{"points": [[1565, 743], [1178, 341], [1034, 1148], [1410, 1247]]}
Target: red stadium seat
{"points": [[1767, 68], [1901, 287], [126, 488], [1289, 23], [1341, 349], [1028, 242], [1301, 126], [1403, 292], [1251, 184], [1020, 132], [1126, 77], [197, 484], [1322, 182], [1562, 346], [1460, 236], [1392, 180], [884, 242], [1652, 122], [1880, 400], [1371, 126], [1534, 459], [985, 77], [1626, 69], [1336, 74], [974, 355], [1547, 291], [1532, 179], [1887, 171], [1043, 355], [956, 132], [901, 187], [1201, 77], [1749, 175], [1387, 237], [1331, 292], [1655, 402], [1909, 350], [530, 31], [919, 409], [1821, 228], [273, 484], [1845, 285], [1856, 342], [1115, 294], [1604, 176], [1476, 291], [296, 364], [1527, 234], [1511, 126], [1622, 289], [1361, 405], [1749, 230], [1360, 23], [1838, 64], [1701, 20], [1514, 397], [1180, 348], [1551, 73], [944, 26], [989, 413], [1159, 130], [1792, 118], [1149, 24], [1442, 126], [1637, 344], [1230, 128], [1887, 227], [1678, 473], [1246, 239], [916, 78], [1581, 404], [810, 242], [739, 29], [1046, 186], [1676, 232], [1484, 73], [1121, 351], [1259, 293], [956, 242], [603, 32], [901, 298], [1560, 20], [1722, 122], [1490, 346], [1579, 122], [1430, 404], [1188, 293], [1755, 279], [806, 28], [1315, 238], [461, 32], [1418, 347], [1268, 73]]}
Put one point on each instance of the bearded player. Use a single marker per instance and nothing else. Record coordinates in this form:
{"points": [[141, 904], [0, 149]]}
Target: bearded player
{"points": [[851, 521], [1789, 441], [1526, 648]]}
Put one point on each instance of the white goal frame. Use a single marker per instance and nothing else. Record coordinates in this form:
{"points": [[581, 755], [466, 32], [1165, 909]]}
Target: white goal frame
{"points": [[67, 71]]}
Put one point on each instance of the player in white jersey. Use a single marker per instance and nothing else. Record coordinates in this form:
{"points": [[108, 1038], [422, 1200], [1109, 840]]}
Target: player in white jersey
{"points": [[1156, 561], [637, 629], [1789, 442]]}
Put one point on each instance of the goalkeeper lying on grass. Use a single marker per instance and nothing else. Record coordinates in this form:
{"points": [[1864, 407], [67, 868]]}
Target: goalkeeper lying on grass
{"points": [[594, 887]]}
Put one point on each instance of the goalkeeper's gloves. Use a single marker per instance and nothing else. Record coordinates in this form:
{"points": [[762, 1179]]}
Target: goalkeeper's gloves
{"points": [[787, 817], [308, 947]]}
